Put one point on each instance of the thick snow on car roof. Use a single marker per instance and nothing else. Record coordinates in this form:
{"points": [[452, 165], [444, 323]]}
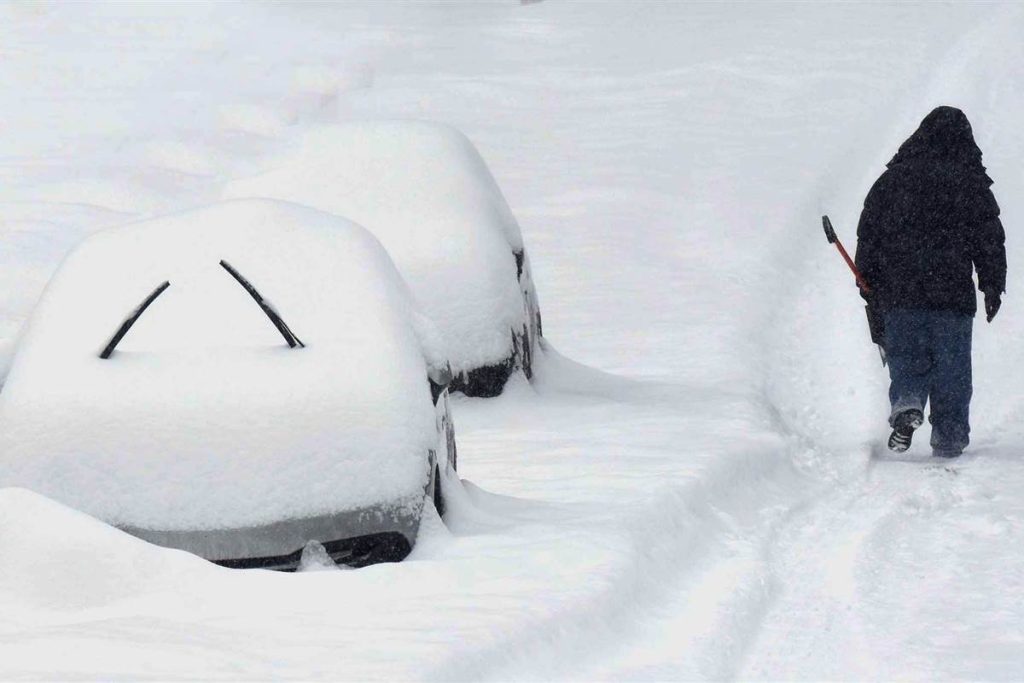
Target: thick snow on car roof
{"points": [[426, 193], [203, 417]]}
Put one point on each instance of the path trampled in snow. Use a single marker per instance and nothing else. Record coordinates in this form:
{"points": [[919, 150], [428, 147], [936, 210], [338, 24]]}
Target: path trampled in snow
{"points": [[686, 491]]}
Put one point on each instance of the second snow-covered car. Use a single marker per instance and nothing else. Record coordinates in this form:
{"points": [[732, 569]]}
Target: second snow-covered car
{"points": [[426, 193], [236, 381]]}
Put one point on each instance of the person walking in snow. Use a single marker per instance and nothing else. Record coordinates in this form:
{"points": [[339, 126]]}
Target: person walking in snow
{"points": [[928, 221]]}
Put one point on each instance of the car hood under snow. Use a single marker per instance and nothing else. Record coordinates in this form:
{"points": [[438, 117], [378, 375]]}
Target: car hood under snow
{"points": [[203, 417]]}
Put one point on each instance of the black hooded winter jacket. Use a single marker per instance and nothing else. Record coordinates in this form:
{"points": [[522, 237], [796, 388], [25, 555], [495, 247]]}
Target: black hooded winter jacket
{"points": [[930, 219]]}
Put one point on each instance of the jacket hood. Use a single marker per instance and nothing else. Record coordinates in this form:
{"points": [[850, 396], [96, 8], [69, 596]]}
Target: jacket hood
{"points": [[945, 135]]}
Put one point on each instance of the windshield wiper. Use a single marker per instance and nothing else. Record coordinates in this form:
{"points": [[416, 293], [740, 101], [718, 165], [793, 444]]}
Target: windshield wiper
{"points": [[274, 316], [130, 320]]}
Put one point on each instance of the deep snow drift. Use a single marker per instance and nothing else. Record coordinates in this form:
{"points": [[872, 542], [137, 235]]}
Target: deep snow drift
{"points": [[693, 494]]}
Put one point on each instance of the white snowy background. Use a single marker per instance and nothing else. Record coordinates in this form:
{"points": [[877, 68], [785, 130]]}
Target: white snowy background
{"points": [[686, 490]]}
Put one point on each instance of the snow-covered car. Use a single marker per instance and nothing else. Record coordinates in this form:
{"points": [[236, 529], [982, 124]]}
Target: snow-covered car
{"points": [[156, 387], [426, 193]]}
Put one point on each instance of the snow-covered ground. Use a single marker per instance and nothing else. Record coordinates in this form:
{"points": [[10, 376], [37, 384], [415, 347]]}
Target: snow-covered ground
{"points": [[687, 489]]}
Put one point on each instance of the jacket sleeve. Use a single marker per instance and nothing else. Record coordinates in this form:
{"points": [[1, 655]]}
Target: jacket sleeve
{"points": [[988, 250], [869, 236]]}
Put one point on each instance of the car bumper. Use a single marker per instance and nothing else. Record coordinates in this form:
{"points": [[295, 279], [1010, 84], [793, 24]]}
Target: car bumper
{"points": [[355, 537]]}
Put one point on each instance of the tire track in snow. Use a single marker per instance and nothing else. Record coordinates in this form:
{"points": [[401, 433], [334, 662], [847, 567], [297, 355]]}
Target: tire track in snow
{"points": [[815, 625], [674, 539]]}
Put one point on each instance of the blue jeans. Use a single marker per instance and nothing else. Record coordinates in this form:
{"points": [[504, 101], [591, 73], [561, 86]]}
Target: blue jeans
{"points": [[929, 356]]}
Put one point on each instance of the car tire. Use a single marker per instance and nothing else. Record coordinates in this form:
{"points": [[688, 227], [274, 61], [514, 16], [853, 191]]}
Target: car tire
{"points": [[438, 495], [527, 354], [455, 454], [451, 446]]}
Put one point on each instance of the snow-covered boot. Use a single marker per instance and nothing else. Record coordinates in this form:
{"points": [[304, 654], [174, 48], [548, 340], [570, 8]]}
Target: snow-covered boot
{"points": [[904, 425]]}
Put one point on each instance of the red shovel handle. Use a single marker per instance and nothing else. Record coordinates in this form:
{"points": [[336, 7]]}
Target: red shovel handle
{"points": [[830, 234]]}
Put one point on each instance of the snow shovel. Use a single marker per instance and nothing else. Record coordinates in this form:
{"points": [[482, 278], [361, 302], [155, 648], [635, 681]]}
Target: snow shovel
{"points": [[876, 323]]}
